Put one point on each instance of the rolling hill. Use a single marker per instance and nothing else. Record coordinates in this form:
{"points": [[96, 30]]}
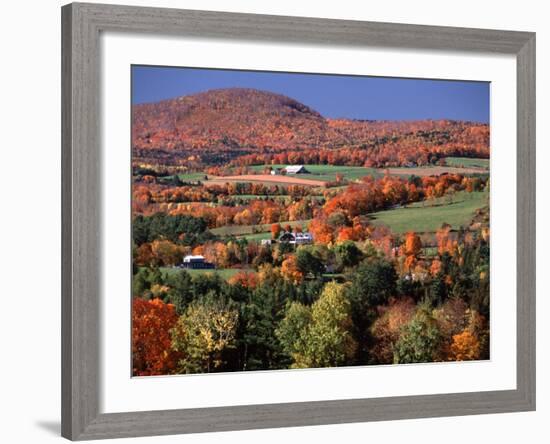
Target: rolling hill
{"points": [[220, 125], [231, 118]]}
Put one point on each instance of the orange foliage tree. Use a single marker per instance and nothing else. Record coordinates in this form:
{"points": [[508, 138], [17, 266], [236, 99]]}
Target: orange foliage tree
{"points": [[413, 245], [444, 242], [276, 230], [412, 248], [290, 270], [151, 341], [321, 231], [465, 347]]}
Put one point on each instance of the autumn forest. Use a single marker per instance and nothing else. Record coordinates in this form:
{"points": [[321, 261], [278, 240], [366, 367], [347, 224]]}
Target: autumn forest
{"points": [[269, 235]]}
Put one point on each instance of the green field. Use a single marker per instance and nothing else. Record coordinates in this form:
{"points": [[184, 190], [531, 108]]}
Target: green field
{"points": [[433, 214], [467, 162], [184, 177], [225, 273], [191, 177], [327, 173], [257, 236], [254, 231]]}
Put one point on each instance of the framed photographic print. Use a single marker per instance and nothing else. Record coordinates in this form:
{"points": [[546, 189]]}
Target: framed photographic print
{"points": [[278, 221]]}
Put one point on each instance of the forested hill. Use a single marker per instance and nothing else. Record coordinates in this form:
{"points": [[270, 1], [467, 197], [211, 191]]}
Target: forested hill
{"points": [[221, 125], [231, 117]]}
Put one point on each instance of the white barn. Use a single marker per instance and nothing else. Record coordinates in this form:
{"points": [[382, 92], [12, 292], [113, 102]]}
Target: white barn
{"points": [[196, 262], [296, 169]]}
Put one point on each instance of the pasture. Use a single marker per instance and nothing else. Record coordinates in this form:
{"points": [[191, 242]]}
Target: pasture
{"points": [[224, 273], [431, 170], [257, 236], [184, 177], [191, 177], [467, 162], [429, 216]]}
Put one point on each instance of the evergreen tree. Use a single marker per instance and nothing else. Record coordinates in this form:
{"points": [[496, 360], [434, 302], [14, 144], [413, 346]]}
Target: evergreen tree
{"points": [[438, 290], [181, 290], [308, 262], [141, 282], [419, 340], [259, 347], [347, 255], [373, 282]]}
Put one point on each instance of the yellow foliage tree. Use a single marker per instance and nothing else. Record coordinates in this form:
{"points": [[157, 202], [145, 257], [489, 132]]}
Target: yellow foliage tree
{"points": [[203, 332]]}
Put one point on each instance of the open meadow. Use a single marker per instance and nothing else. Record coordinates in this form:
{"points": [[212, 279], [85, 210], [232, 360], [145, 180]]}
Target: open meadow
{"points": [[467, 162], [433, 170], [421, 217]]}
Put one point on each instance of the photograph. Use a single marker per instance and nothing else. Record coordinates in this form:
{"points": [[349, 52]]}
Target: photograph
{"points": [[285, 221]]}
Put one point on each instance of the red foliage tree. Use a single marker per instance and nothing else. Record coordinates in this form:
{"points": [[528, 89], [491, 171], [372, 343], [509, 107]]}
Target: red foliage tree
{"points": [[151, 341]]}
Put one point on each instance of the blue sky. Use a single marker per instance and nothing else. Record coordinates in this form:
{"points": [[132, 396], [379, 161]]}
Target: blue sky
{"points": [[354, 97]]}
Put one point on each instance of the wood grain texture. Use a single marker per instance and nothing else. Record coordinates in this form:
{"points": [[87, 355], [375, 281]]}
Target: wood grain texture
{"points": [[526, 221], [165, 21], [81, 230], [120, 425], [81, 222], [66, 224]]}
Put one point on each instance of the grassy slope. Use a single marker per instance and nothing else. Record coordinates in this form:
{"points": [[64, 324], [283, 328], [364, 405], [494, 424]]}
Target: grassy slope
{"points": [[257, 236], [430, 217], [184, 177], [467, 162], [225, 273], [189, 177]]}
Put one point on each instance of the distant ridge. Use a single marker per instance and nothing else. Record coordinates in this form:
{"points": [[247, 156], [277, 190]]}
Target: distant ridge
{"points": [[231, 122]]}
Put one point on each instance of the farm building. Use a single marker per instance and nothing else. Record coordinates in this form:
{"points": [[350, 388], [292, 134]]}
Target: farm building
{"points": [[276, 171], [296, 169], [296, 238], [196, 262], [303, 238]]}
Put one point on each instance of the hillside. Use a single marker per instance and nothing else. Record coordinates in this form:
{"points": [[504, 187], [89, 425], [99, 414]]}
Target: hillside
{"points": [[232, 118], [219, 126]]}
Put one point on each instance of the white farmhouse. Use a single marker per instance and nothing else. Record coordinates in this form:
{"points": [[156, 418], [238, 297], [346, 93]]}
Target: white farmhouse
{"points": [[296, 238], [303, 238]]}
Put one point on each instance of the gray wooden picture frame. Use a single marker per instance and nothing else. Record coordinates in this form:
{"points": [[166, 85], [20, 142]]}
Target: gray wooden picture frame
{"points": [[81, 231]]}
